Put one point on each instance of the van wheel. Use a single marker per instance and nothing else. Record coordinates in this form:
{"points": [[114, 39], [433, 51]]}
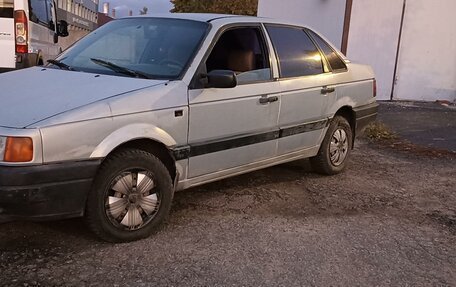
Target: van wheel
{"points": [[130, 197], [335, 148]]}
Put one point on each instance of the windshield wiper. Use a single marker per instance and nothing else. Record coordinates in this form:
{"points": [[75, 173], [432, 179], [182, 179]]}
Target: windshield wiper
{"points": [[61, 65], [120, 69]]}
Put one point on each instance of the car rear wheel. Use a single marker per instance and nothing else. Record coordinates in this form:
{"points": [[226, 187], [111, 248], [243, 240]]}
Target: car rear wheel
{"points": [[335, 148], [131, 196]]}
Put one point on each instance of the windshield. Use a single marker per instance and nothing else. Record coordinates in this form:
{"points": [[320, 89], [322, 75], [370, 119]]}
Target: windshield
{"points": [[6, 8], [136, 47]]}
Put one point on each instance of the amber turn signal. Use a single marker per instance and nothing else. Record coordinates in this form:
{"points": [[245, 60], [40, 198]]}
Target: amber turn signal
{"points": [[18, 149]]}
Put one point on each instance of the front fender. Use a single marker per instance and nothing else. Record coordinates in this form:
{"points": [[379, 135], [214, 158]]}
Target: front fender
{"points": [[129, 133]]}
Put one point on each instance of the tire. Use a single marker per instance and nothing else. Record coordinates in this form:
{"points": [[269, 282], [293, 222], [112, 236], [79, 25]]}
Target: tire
{"points": [[130, 197], [335, 148]]}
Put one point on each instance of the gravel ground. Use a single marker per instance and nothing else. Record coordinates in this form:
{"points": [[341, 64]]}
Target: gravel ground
{"points": [[389, 220]]}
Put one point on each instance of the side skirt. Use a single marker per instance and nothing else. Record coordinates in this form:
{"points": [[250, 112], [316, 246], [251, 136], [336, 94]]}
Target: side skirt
{"points": [[200, 180]]}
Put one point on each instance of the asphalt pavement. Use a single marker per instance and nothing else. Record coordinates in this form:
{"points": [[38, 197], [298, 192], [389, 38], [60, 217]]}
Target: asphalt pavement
{"points": [[430, 124]]}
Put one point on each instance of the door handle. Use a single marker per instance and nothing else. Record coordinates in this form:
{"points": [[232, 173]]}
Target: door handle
{"points": [[327, 90], [266, 100], [273, 99]]}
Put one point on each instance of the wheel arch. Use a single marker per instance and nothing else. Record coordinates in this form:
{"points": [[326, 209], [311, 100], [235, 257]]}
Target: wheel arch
{"points": [[154, 147], [145, 137], [39, 58], [348, 113]]}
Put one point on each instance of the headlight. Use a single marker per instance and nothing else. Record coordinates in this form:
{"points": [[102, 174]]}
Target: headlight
{"points": [[2, 147], [16, 149]]}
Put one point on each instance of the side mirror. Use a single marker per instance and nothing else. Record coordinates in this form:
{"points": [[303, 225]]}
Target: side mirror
{"points": [[221, 79], [62, 28]]}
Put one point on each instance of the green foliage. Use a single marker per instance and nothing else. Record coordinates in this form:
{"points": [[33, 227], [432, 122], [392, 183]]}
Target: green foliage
{"points": [[379, 131], [239, 7]]}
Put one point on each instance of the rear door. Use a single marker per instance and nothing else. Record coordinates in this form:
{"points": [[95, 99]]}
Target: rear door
{"points": [[303, 79], [7, 47]]}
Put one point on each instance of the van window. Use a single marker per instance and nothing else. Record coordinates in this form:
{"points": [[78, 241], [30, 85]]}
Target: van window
{"points": [[6, 8], [298, 55], [40, 11]]}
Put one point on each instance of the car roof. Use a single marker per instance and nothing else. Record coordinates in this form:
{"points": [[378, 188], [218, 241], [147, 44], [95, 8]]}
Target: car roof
{"points": [[202, 17], [222, 18]]}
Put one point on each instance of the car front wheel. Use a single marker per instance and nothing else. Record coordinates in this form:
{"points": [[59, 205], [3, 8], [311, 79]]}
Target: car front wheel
{"points": [[335, 148], [131, 196]]}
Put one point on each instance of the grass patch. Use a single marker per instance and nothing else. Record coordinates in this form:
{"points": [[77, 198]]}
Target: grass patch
{"points": [[379, 131]]}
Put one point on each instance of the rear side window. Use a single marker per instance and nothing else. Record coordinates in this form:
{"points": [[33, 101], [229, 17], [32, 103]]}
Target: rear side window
{"points": [[6, 8], [298, 55], [334, 60]]}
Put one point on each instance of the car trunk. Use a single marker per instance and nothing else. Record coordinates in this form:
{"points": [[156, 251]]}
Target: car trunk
{"points": [[7, 59]]}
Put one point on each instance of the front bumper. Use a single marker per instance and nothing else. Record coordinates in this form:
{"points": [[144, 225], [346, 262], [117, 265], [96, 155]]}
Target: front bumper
{"points": [[50, 191]]}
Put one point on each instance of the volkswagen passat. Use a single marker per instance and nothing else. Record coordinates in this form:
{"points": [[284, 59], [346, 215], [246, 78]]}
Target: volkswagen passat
{"points": [[145, 106]]}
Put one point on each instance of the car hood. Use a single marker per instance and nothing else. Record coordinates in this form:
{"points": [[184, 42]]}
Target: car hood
{"points": [[34, 94]]}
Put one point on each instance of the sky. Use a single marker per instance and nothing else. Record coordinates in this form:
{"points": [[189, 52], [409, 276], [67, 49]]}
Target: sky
{"points": [[123, 6]]}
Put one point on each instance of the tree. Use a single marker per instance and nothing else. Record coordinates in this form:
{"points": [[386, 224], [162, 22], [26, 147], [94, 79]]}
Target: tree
{"points": [[239, 7], [143, 11]]}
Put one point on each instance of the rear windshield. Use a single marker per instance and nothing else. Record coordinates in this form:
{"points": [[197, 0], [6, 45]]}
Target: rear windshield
{"points": [[6, 8]]}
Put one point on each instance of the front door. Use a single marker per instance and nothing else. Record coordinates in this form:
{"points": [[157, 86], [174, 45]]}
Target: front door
{"points": [[232, 127]]}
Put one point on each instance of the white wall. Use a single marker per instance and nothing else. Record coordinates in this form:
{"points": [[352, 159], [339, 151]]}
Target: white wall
{"points": [[373, 37], [325, 16], [427, 58]]}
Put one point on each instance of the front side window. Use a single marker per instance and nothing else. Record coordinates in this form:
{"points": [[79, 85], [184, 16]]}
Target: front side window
{"points": [[151, 47], [243, 51], [39, 11], [334, 60], [298, 56]]}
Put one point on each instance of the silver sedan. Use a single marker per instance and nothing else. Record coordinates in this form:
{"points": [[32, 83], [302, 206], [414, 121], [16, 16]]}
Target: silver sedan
{"points": [[145, 106]]}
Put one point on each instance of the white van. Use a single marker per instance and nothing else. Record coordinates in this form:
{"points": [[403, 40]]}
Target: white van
{"points": [[29, 33]]}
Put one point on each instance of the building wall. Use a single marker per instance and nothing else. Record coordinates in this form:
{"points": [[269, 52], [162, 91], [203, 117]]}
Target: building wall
{"points": [[326, 17], [427, 58], [82, 18], [373, 38]]}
